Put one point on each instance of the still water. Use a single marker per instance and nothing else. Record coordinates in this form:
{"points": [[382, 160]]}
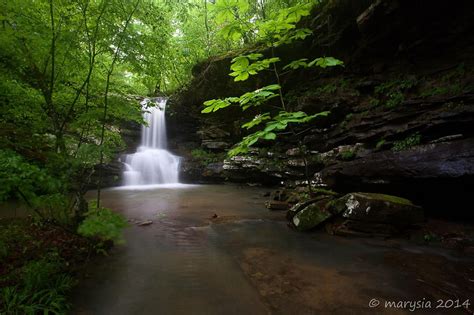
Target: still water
{"points": [[244, 261]]}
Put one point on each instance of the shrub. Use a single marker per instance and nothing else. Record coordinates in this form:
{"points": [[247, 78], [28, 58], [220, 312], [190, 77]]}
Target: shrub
{"points": [[104, 224]]}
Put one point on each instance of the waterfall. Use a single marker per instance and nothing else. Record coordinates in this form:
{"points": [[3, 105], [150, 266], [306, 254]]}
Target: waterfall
{"points": [[152, 163]]}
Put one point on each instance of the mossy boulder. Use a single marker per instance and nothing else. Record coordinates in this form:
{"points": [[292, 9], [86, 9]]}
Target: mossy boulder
{"points": [[377, 208], [311, 214]]}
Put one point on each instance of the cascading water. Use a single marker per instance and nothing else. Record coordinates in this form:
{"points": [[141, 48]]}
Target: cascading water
{"points": [[152, 163]]}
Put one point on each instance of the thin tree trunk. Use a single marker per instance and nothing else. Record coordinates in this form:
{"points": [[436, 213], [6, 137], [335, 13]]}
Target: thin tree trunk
{"points": [[106, 101], [206, 23], [301, 147]]}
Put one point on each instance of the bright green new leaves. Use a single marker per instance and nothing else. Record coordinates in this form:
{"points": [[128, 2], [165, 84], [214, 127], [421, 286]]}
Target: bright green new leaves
{"points": [[282, 28], [276, 124], [256, 121], [258, 97], [296, 64], [215, 105], [242, 67], [227, 14], [295, 13], [322, 62], [104, 224], [226, 10], [281, 121], [300, 33], [325, 62], [246, 100]]}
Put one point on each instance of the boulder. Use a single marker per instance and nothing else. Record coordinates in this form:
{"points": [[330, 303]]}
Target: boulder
{"points": [[297, 208], [377, 209], [309, 215], [436, 176]]}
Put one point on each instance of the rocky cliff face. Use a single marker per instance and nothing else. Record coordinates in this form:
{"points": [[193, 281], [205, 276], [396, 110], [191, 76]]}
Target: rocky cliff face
{"points": [[401, 109]]}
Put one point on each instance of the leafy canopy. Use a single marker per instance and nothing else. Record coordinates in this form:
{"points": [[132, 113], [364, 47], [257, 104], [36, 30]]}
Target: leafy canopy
{"points": [[280, 29]]}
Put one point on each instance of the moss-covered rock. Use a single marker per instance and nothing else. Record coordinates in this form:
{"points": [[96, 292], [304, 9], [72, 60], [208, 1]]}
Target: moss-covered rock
{"points": [[378, 208], [311, 214]]}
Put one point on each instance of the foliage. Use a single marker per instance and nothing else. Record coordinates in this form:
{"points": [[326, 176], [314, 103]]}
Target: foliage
{"points": [[278, 123], [244, 66], [42, 289], [68, 68], [448, 84], [392, 92], [104, 224], [66, 72], [348, 154], [407, 143], [199, 29], [206, 157], [19, 178], [281, 29]]}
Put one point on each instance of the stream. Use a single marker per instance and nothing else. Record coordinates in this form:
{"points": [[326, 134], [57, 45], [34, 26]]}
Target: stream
{"points": [[244, 261]]}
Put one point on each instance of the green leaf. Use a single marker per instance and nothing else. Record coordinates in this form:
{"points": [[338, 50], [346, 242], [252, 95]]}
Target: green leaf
{"points": [[325, 62], [258, 97], [240, 63], [300, 63], [254, 56], [256, 121], [269, 136], [242, 76], [214, 105]]}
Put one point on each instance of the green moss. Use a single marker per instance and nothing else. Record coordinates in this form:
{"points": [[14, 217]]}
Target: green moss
{"points": [[336, 206], [349, 116], [374, 102], [339, 86], [395, 99], [207, 157], [310, 217], [407, 143], [322, 191], [389, 198], [347, 155], [380, 144], [392, 93], [448, 84]]}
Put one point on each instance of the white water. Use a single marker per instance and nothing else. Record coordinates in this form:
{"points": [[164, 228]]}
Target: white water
{"points": [[152, 164]]}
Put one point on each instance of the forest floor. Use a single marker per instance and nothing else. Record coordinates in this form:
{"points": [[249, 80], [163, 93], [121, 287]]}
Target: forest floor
{"points": [[217, 250], [38, 262]]}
